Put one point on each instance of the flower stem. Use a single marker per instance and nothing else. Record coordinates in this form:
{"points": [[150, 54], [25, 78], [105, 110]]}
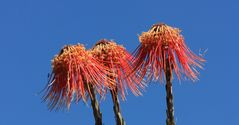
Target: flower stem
{"points": [[169, 95], [118, 116], [95, 106]]}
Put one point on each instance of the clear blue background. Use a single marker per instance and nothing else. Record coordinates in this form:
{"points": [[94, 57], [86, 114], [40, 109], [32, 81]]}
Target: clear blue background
{"points": [[32, 32]]}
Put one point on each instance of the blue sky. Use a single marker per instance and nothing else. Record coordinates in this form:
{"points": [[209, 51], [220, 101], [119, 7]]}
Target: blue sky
{"points": [[32, 32]]}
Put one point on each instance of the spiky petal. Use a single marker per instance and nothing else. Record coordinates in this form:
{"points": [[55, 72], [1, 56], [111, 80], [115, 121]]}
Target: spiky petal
{"points": [[73, 70], [117, 59], [160, 43]]}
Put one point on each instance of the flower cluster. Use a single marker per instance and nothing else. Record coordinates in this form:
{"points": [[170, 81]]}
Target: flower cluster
{"points": [[73, 71], [163, 43], [117, 59]]}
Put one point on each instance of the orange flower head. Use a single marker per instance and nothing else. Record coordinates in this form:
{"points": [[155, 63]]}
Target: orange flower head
{"points": [[73, 70], [117, 59], [162, 43]]}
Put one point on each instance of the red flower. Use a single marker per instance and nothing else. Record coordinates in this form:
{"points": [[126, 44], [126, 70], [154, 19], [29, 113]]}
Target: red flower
{"points": [[73, 70], [117, 59], [160, 43]]}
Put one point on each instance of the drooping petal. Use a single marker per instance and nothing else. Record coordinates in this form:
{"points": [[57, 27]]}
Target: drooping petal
{"points": [[160, 43], [73, 69], [117, 59]]}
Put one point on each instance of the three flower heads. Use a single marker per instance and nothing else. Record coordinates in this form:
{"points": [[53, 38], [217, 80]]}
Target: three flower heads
{"points": [[75, 70], [109, 66]]}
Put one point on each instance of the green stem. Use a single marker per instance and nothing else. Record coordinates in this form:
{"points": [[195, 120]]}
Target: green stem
{"points": [[169, 95], [118, 116], [95, 106]]}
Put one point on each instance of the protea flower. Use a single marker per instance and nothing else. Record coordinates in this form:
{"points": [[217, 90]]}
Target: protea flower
{"points": [[75, 76], [162, 51], [117, 59]]}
